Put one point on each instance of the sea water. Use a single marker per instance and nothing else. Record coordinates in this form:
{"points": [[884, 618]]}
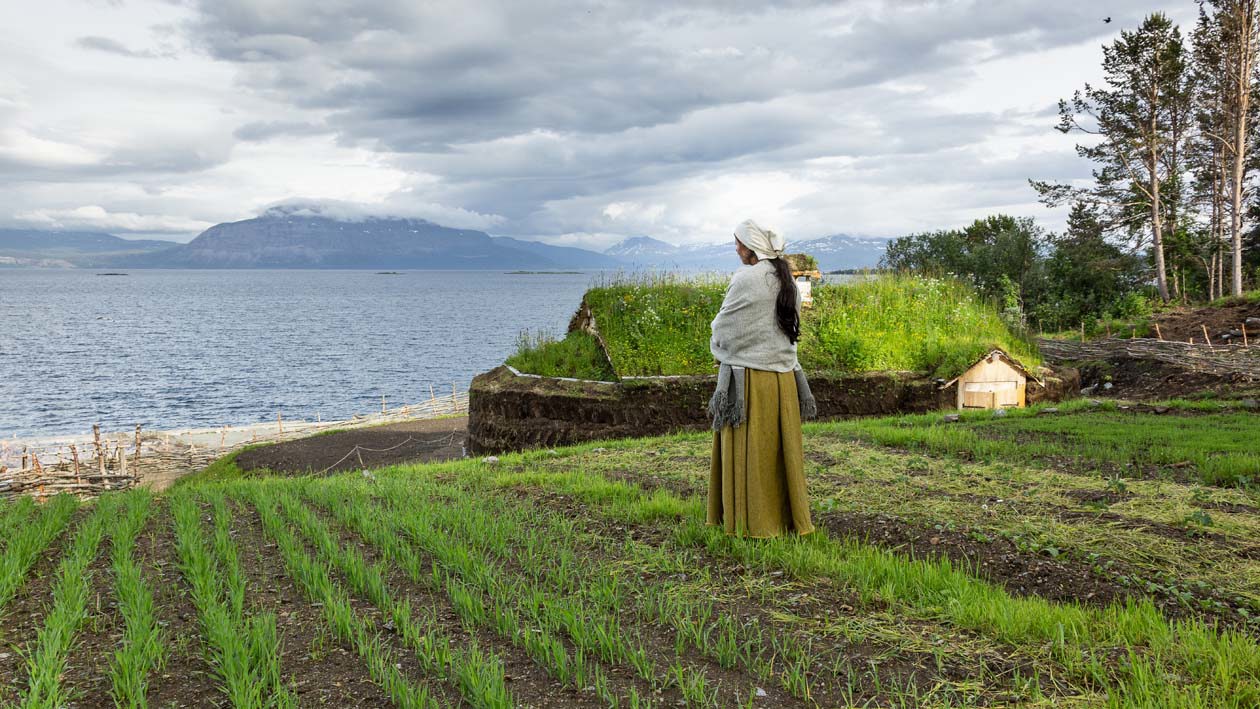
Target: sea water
{"points": [[187, 348]]}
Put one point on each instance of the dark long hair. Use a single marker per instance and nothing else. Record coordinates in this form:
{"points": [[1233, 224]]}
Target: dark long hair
{"points": [[785, 304]]}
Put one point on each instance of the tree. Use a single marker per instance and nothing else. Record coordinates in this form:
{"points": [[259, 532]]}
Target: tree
{"points": [[991, 252], [1139, 117], [1086, 276], [1226, 47]]}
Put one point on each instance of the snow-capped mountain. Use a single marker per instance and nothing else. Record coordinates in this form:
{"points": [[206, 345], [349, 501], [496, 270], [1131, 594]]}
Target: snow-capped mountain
{"points": [[836, 252]]}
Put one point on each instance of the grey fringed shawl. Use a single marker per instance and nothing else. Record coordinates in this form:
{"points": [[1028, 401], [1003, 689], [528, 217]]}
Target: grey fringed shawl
{"points": [[726, 406], [746, 334]]}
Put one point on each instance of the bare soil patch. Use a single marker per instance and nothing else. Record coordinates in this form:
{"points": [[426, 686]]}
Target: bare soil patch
{"points": [[1151, 380], [1185, 323], [423, 440]]}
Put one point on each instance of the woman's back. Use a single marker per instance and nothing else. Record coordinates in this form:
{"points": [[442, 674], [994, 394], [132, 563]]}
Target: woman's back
{"points": [[746, 332]]}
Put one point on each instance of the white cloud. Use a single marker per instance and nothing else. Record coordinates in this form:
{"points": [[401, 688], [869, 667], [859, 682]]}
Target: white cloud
{"points": [[97, 218]]}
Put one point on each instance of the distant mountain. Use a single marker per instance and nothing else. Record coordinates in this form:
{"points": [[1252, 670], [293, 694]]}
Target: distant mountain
{"points": [[836, 252], [641, 248], [563, 256], [286, 237], [32, 247], [281, 238]]}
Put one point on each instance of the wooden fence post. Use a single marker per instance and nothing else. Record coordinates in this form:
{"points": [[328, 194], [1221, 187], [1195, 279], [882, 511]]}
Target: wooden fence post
{"points": [[279, 422], [1244, 332], [100, 452], [74, 456], [1159, 334], [1206, 339]]}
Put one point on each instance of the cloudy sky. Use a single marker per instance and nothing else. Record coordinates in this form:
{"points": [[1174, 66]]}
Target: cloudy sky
{"points": [[571, 123]]}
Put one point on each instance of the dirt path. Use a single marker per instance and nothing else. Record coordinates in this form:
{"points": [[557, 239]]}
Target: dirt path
{"points": [[424, 440]]}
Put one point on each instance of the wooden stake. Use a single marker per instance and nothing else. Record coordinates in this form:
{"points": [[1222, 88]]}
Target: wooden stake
{"points": [[1159, 334], [222, 433], [74, 456], [1108, 324], [1206, 339], [432, 396], [1082, 331], [100, 452], [382, 403], [317, 418], [279, 422], [1244, 332], [137, 461], [1134, 335], [122, 461]]}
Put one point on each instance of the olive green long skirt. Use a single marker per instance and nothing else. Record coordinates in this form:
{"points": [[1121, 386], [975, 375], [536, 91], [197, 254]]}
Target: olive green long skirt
{"points": [[757, 478]]}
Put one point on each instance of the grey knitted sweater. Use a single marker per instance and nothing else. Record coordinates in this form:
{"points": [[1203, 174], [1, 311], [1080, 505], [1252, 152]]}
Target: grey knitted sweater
{"points": [[746, 334]]}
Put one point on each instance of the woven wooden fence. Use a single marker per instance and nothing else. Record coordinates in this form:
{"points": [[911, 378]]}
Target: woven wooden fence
{"points": [[1222, 360]]}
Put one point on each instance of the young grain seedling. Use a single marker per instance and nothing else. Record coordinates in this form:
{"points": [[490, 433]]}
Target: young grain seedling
{"points": [[141, 650], [46, 660]]}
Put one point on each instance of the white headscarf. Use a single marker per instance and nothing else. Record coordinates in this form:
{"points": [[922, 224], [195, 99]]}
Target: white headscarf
{"points": [[763, 242]]}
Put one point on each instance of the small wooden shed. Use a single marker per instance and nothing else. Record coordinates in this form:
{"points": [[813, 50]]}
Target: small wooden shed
{"points": [[995, 381], [805, 272]]}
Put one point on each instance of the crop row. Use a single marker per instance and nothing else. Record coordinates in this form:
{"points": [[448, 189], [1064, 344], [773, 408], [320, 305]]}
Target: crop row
{"points": [[244, 650], [46, 658], [1171, 663], [540, 624], [27, 541], [561, 553]]}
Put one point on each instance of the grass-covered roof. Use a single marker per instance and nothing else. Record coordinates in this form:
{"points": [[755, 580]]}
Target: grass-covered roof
{"points": [[659, 325]]}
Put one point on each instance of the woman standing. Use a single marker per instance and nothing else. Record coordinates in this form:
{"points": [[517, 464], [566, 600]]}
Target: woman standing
{"points": [[757, 479]]}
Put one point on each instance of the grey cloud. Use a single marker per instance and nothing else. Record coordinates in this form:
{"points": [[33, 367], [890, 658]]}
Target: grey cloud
{"points": [[112, 46], [542, 112], [262, 130]]}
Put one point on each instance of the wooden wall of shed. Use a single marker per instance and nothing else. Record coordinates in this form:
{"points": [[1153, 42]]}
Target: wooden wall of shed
{"points": [[994, 370]]}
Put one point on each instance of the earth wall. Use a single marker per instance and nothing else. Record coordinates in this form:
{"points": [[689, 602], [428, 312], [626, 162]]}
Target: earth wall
{"points": [[509, 411]]}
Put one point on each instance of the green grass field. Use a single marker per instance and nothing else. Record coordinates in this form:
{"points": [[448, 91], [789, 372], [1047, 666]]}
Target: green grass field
{"points": [[1020, 576], [659, 325], [1216, 446]]}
